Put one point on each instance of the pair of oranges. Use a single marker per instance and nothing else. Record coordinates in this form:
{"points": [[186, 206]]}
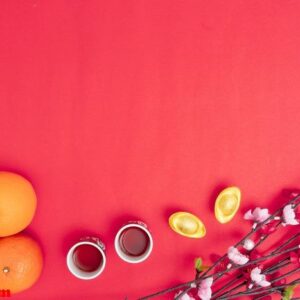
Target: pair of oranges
{"points": [[21, 259]]}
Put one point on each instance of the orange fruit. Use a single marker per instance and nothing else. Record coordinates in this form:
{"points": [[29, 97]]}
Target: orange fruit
{"points": [[17, 203], [21, 262]]}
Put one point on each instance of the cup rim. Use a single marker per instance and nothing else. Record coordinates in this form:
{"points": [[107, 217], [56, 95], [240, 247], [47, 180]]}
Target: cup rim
{"points": [[71, 266], [126, 257]]}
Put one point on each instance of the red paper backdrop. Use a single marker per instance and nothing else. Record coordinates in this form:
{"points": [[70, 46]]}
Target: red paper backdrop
{"points": [[120, 110]]}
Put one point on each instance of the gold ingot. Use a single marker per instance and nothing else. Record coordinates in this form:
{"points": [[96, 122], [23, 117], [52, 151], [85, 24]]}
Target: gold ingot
{"points": [[187, 224], [227, 204]]}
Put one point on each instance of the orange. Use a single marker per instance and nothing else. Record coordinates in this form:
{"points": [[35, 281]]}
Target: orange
{"points": [[21, 262], [17, 203]]}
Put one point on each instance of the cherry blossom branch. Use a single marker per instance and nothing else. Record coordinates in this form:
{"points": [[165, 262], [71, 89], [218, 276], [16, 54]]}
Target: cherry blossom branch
{"points": [[269, 270], [191, 284], [251, 262], [188, 284], [278, 266], [231, 290], [259, 290], [166, 291], [228, 284], [271, 289], [254, 230], [266, 294], [288, 241]]}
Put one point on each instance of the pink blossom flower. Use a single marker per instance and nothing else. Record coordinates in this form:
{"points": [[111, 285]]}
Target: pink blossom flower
{"points": [[289, 216], [204, 291], [236, 256], [248, 244], [258, 278], [185, 296], [258, 215]]}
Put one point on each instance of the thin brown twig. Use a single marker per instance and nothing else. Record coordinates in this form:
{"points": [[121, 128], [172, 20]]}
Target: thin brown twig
{"points": [[261, 290], [267, 271], [250, 292], [203, 275]]}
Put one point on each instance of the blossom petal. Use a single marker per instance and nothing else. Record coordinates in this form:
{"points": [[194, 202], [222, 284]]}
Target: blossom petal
{"points": [[258, 215], [289, 215], [248, 244], [248, 215], [204, 291], [236, 257], [264, 283], [263, 214], [184, 296], [258, 278]]}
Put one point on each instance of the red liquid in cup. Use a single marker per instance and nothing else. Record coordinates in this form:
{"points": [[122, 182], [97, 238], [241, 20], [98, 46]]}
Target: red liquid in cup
{"points": [[134, 241], [87, 258]]}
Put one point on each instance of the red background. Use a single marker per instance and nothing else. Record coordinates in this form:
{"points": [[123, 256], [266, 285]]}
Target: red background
{"points": [[120, 110]]}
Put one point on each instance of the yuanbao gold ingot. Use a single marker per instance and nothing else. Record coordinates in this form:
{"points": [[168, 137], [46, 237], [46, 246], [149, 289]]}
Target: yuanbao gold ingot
{"points": [[227, 204], [187, 225]]}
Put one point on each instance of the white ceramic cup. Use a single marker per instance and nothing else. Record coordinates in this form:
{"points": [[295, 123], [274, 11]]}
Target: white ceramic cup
{"points": [[75, 270], [125, 256]]}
